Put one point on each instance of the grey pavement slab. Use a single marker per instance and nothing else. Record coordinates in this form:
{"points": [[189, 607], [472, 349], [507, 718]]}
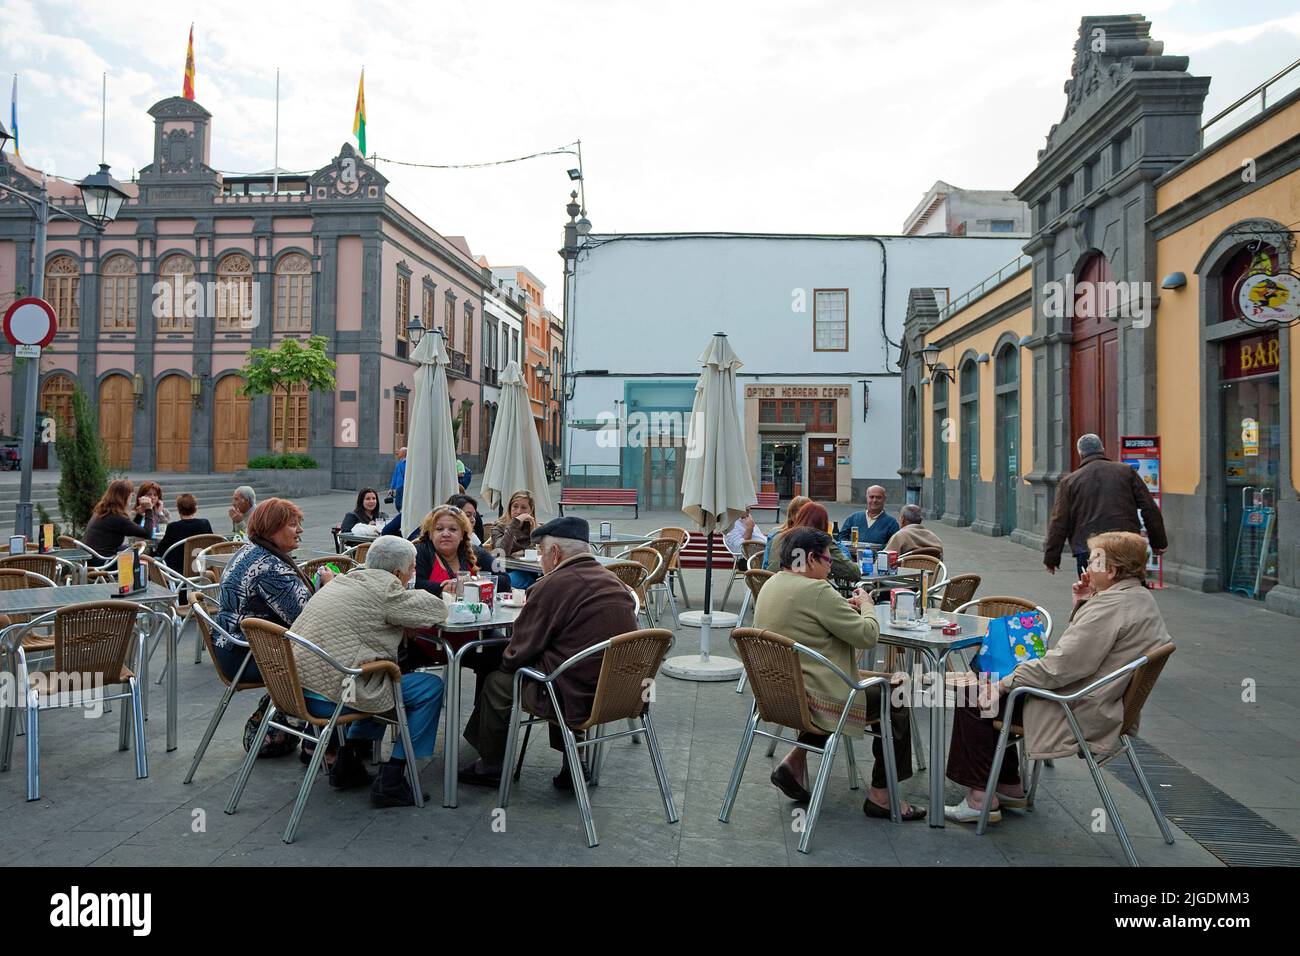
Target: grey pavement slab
{"points": [[94, 811]]}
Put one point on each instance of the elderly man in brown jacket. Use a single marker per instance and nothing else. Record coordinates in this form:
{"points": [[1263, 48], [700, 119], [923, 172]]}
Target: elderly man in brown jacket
{"points": [[1100, 495], [911, 537], [574, 605], [360, 618], [1115, 622]]}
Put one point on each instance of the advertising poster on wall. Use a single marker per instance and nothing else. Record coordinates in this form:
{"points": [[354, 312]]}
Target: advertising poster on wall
{"points": [[1142, 453]]}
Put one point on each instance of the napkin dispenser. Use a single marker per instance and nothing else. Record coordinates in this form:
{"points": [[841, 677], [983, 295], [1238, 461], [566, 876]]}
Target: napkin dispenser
{"points": [[882, 562], [479, 591], [902, 605]]}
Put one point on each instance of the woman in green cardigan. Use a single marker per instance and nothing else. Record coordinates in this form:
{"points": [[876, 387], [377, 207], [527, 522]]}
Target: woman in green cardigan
{"points": [[800, 604]]}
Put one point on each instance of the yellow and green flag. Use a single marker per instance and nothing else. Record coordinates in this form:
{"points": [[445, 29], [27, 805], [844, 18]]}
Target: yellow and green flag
{"points": [[359, 120]]}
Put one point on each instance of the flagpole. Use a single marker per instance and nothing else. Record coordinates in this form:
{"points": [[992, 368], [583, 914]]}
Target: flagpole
{"points": [[275, 182]]}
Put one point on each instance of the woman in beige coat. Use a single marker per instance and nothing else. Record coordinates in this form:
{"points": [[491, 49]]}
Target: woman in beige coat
{"points": [[361, 618], [1115, 621], [799, 603]]}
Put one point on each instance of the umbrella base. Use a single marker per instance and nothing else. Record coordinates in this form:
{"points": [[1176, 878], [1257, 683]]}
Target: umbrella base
{"points": [[722, 620], [695, 667]]}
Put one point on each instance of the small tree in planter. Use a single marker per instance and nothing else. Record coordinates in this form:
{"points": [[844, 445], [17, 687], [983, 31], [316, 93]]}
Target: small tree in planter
{"points": [[83, 466], [279, 369]]}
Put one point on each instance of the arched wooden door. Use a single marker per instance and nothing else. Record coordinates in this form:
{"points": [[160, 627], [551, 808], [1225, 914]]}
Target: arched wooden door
{"points": [[117, 419], [229, 425], [173, 424], [1094, 359]]}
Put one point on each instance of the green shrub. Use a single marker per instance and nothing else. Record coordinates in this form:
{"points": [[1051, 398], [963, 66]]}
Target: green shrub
{"points": [[282, 462], [83, 465]]}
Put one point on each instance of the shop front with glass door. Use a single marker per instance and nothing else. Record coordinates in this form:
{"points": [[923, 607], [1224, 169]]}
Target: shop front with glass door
{"points": [[1252, 437]]}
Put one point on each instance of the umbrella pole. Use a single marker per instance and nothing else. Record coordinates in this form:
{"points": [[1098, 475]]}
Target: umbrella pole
{"points": [[708, 597]]}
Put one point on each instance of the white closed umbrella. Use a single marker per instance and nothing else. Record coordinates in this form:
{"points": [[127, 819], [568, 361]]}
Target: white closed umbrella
{"points": [[514, 461], [431, 446], [717, 487]]}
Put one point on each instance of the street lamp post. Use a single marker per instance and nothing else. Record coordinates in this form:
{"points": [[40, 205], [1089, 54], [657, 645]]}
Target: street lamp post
{"points": [[103, 197]]}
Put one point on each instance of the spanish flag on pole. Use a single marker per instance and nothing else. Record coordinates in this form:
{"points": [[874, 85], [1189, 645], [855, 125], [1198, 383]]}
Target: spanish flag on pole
{"points": [[359, 120], [188, 89]]}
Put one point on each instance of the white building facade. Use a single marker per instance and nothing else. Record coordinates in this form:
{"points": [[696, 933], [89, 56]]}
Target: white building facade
{"points": [[503, 322], [815, 320]]}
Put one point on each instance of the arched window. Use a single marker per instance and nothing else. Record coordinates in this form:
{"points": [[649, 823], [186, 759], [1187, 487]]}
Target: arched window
{"points": [[175, 273], [63, 291], [118, 294], [293, 294], [234, 293], [56, 401]]}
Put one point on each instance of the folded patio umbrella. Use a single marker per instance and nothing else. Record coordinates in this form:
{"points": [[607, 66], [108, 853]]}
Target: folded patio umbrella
{"points": [[515, 461], [717, 487], [430, 447]]}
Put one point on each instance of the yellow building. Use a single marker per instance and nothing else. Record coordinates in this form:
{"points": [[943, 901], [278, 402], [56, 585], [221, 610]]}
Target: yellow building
{"points": [[1125, 318]]}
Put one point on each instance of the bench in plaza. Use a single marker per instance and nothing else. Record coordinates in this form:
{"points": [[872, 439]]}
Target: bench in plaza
{"points": [[598, 497]]}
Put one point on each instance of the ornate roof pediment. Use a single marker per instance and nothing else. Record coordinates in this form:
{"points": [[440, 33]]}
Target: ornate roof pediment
{"points": [[348, 176], [1110, 49]]}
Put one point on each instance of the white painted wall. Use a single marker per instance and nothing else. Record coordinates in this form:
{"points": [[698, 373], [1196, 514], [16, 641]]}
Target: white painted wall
{"points": [[646, 306]]}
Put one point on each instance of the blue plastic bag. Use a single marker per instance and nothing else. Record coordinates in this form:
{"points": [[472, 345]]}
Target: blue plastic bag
{"points": [[1011, 640]]}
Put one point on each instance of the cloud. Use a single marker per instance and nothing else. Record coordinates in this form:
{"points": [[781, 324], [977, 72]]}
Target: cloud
{"points": [[798, 115]]}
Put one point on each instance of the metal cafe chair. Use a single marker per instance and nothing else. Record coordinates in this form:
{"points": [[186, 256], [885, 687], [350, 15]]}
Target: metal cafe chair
{"points": [[55, 568], [1142, 674], [93, 641], [344, 564], [633, 574], [207, 629], [657, 567], [272, 649], [754, 581], [682, 538], [629, 661], [772, 662], [961, 589], [661, 581], [741, 564]]}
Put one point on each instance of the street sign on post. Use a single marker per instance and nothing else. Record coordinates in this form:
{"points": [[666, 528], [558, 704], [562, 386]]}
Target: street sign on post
{"points": [[29, 325], [30, 321]]}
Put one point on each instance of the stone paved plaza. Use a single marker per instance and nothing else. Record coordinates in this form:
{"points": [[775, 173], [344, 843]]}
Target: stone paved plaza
{"points": [[93, 811]]}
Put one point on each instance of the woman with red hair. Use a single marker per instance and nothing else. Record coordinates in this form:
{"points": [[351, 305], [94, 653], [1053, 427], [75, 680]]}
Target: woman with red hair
{"points": [[814, 515]]}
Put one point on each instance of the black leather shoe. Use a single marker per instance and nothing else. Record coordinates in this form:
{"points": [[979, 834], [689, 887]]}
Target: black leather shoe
{"points": [[349, 770], [476, 778], [391, 788], [564, 780], [784, 781]]}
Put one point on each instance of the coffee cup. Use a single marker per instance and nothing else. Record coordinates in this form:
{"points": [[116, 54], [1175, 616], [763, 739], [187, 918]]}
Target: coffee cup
{"points": [[530, 554], [518, 595]]}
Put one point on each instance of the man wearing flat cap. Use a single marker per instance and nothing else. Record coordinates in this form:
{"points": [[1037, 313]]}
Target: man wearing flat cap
{"points": [[574, 605]]}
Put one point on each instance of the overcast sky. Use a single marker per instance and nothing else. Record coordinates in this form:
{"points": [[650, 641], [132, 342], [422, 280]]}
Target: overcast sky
{"points": [[788, 116]]}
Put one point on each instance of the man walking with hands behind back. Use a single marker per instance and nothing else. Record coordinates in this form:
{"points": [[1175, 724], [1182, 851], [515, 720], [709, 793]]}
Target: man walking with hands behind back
{"points": [[1100, 495]]}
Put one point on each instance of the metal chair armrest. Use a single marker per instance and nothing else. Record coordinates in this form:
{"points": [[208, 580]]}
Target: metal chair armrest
{"points": [[1083, 691], [196, 608], [388, 667], [323, 655]]}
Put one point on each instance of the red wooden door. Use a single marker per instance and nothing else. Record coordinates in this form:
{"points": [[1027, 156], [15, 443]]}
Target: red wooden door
{"points": [[1094, 359]]}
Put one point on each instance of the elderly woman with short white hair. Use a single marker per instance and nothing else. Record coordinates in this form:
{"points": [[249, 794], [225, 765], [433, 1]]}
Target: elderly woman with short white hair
{"points": [[359, 618]]}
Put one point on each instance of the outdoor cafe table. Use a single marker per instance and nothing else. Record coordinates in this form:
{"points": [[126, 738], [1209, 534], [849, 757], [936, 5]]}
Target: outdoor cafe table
{"points": [[934, 646], [36, 601], [502, 618], [518, 563], [900, 577], [604, 545]]}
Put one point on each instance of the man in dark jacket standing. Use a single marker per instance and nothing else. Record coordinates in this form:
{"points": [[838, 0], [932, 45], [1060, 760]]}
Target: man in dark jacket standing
{"points": [[574, 605], [1100, 495]]}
